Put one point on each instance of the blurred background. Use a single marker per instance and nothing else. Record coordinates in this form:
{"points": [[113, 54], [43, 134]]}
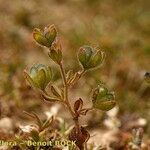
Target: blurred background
{"points": [[120, 28]]}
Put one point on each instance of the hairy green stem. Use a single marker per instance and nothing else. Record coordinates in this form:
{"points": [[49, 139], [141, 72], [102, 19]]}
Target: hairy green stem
{"points": [[66, 100]]}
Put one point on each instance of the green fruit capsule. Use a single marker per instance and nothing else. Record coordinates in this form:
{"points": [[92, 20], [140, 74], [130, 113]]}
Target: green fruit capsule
{"points": [[103, 99], [46, 37], [39, 76], [90, 58]]}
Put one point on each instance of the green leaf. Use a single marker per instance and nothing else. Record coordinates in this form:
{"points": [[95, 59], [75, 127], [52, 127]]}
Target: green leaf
{"points": [[29, 79], [48, 98], [55, 92], [47, 123], [48, 74], [35, 135], [54, 56], [39, 122]]}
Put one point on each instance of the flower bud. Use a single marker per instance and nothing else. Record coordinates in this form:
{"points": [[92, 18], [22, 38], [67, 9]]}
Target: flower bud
{"points": [[46, 37], [103, 99], [39, 76], [56, 52], [89, 57]]}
